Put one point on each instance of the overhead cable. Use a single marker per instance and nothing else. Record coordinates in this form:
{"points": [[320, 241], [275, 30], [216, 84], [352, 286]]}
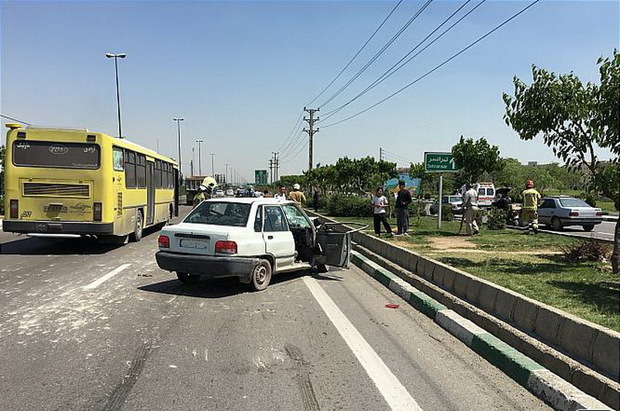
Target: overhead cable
{"points": [[400, 64], [436, 67], [14, 119], [355, 56], [378, 54]]}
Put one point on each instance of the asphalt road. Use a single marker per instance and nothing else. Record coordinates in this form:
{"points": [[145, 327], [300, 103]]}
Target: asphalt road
{"points": [[603, 231], [85, 327]]}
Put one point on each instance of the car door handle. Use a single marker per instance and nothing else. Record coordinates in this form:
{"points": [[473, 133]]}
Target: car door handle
{"points": [[269, 237]]}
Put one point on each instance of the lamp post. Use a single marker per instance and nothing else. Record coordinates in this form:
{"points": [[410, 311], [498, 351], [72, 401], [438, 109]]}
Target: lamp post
{"points": [[199, 157], [178, 120], [226, 174], [118, 96], [212, 168]]}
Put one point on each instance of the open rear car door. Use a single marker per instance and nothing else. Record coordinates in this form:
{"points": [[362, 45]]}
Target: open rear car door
{"points": [[334, 241]]}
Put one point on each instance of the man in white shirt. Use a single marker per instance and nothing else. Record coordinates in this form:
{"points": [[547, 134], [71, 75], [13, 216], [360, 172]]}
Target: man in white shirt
{"points": [[470, 210]]}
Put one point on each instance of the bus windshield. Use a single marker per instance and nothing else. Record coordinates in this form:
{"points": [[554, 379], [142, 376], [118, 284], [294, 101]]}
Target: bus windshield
{"points": [[55, 154]]}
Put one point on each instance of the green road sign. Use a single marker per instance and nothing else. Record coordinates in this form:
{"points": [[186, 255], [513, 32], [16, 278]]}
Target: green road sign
{"points": [[440, 163], [260, 177]]}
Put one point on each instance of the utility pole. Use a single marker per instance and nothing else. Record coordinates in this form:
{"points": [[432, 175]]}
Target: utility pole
{"points": [[199, 157], [380, 154], [310, 130], [178, 120], [226, 174], [271, 171], [212, 168], [276, 167]]}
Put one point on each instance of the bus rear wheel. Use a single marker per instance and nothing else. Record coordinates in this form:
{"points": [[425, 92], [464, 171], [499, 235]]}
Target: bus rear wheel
{"points": [[137, 228]]}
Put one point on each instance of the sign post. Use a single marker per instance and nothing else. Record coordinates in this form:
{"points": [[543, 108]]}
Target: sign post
{"points": [[439, 163]]}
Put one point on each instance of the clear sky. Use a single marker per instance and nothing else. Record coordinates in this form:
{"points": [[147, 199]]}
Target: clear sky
{"points": [[241, 72]]}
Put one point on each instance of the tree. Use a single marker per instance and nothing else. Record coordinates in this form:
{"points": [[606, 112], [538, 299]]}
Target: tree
{"points": [[575, 120], [474, 158]]}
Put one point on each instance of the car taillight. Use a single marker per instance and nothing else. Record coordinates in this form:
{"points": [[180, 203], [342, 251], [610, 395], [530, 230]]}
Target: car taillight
{"points": [[14, 205], [599, 213], [163, 241], [97, 211], [226, 247], [573, 214]]}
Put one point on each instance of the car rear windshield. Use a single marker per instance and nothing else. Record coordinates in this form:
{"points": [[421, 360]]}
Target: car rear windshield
{"points": [[220, 213], [573, 202]]}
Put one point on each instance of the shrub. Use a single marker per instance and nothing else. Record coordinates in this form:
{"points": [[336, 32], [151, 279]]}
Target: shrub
{"points": [[418, 208], [587, 250], [497, 219], [446, 212], [349, 206]]}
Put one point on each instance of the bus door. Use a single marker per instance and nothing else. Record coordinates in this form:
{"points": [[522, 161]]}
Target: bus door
{"points": [[150, 192]]}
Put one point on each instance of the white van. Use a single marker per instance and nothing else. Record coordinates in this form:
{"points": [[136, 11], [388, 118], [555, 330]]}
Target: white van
{"points": [[486, 193]]}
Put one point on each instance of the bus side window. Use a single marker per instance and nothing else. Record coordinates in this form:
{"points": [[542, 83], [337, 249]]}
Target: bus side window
{"points": [[118, 159]]}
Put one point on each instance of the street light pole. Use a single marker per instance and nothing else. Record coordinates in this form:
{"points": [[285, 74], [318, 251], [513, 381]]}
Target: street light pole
{"points": [[212, 168], [178, 120], [118, 95], [199, 157]]}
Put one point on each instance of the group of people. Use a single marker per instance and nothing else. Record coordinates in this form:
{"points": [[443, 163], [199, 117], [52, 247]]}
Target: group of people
{"points": [[529, 208], [381, 204]]}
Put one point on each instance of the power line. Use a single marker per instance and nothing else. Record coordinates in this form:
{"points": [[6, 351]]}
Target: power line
{"points": [[379, 53], [14, 119], [436, 67], [356, 54], [294, 144], [397, 66], [292, 132]]}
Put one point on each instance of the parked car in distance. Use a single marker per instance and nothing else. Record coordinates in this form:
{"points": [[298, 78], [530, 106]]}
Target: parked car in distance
{"points": [[230, 192], [218, 193], [249, 238], [455, 202], [561, 211]]}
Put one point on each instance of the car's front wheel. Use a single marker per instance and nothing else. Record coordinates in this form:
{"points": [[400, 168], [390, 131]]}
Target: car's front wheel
{"points": [[556, 224], [261, 275], [588, 227], [186, 278]]}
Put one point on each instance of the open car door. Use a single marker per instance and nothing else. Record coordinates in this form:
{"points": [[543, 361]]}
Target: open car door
{"points": [[335, 245]]}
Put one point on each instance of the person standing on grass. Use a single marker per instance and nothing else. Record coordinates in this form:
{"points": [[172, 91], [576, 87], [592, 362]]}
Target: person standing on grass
{"points": [[403, 199], [380, 204], [529, 210], [470, 209]]}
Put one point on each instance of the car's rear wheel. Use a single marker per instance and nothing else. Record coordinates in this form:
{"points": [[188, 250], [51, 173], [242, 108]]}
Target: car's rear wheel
{"points": [[186, 278], [588, 227], [261, 275], [556, 224]]}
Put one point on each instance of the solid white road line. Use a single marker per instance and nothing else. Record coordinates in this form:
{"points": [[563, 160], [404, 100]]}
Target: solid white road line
{"points": [[395, 394], [106, 277]]}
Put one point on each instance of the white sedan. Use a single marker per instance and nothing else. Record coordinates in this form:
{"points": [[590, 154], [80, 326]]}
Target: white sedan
{"points": [[249, 238]]}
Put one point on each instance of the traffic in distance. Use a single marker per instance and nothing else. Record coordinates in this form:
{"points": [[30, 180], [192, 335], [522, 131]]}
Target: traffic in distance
{"points": [[122, 309]]}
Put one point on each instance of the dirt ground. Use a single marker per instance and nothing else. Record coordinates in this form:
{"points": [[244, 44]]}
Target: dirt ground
{"points": [[461, 244]]}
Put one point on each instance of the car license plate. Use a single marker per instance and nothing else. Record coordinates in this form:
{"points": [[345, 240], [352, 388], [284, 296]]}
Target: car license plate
{"points": [[185, 243]]}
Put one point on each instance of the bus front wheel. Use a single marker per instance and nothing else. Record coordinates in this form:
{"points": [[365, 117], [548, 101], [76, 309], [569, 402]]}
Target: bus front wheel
{"points": [[137, 228]]}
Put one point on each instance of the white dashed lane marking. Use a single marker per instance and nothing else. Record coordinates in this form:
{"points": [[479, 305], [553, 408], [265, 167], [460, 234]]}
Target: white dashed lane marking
{"points": [[106, 277]]}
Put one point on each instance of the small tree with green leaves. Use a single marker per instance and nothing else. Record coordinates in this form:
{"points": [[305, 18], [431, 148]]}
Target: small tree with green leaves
{"points": [[575, 120]]}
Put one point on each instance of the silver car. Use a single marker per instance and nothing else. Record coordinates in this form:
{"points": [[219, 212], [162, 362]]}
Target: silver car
{"points": [[561, 211]]}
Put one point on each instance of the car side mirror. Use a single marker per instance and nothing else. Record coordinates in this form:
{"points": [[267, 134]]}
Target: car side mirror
{"points": [[316, 222]]}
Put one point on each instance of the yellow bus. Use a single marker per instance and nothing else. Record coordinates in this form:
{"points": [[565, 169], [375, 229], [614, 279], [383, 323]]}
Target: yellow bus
{"points": [[66, 181]]}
